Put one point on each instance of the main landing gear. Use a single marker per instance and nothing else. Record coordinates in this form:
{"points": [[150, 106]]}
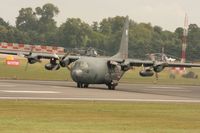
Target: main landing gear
{"points": [[112, 86], [81, 85]]}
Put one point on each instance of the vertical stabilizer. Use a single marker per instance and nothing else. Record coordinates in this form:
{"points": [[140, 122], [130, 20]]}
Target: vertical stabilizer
{"points": [[123, 50]]}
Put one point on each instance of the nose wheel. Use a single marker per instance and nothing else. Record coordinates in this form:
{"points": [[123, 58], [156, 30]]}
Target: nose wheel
{"points": [[81, 85], [112, 86]]}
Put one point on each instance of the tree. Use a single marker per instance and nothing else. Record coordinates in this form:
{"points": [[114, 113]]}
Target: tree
{"points": [[3, 23], [95, 26], [27, 20], [46, 15], [38, 24], [3, 33], [4, 27], [193, 46], [157, 29], [74, 33], [179, 32]]}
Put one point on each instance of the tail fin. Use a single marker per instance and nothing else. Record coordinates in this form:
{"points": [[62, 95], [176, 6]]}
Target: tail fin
{"points": [[123, 50]]}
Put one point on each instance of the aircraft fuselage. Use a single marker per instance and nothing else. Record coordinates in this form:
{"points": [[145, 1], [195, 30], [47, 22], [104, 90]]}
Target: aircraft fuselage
{"points": [[94, 70]]}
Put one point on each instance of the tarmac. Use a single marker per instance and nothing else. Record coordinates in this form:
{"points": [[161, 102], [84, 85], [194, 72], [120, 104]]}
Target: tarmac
{"points": [[64, 90]]}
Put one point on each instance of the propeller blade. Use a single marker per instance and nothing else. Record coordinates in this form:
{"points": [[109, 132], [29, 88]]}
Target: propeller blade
{"points": [[156, 78], [65, 55], [20, 54], [26, 67], [69, 68], [56, 56], [156, 75], [30, 53]]}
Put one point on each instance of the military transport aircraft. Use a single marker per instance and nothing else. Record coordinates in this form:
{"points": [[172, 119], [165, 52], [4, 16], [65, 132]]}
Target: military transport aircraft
{"points": [[101, 70]]}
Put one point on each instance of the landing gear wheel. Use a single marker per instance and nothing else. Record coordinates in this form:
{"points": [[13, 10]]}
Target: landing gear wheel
{"points": [[111, 86], [80, 85], [85, 85]]}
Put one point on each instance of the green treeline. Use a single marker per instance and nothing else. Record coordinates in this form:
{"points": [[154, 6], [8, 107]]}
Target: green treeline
{"points": [[38, 26]]}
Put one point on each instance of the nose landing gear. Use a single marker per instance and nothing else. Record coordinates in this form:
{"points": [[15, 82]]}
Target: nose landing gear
{"points": [[112, 85], [81, 85]]}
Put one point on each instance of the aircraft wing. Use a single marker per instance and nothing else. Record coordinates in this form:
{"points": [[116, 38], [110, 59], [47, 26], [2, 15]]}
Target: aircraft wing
{"points": [[182, 65], [36, 56], [27, 53], [149, 63], [138, 63], [13, 52]]}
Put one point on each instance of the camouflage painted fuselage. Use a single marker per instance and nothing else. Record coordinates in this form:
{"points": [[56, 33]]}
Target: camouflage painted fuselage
{"points": [[94, 70]]}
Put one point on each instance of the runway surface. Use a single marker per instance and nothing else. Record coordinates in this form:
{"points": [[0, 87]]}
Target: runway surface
{"points": [[63, 90]]}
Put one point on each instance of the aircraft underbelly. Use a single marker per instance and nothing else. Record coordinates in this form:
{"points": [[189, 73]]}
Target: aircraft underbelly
{"points": [[90, 78]]}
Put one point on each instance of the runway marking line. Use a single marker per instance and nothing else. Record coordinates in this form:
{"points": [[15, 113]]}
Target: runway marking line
{"points": [[164, 87], [104, 99], [37, 92], [170, 90], [7, 85]]}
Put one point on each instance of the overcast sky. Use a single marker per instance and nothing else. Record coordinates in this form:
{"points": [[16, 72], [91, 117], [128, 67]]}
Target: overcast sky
{"points": [[168, 14]]}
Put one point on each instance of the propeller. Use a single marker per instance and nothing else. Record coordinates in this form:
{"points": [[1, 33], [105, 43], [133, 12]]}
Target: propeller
{"points": [[61, 59], [56, 56], [156, 74], [68, 66], [65, 55], [26, 67], [27, 56]]}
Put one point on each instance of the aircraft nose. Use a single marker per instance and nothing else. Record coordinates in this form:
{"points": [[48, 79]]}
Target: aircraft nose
{"points": [[77, 73]]}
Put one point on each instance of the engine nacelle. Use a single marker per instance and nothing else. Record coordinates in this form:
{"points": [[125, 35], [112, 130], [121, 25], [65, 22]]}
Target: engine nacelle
{"points": [[158, 68], [52, 66], [33, 60], [146, 73], [114, 65], [125, 67], [64, 62]]}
